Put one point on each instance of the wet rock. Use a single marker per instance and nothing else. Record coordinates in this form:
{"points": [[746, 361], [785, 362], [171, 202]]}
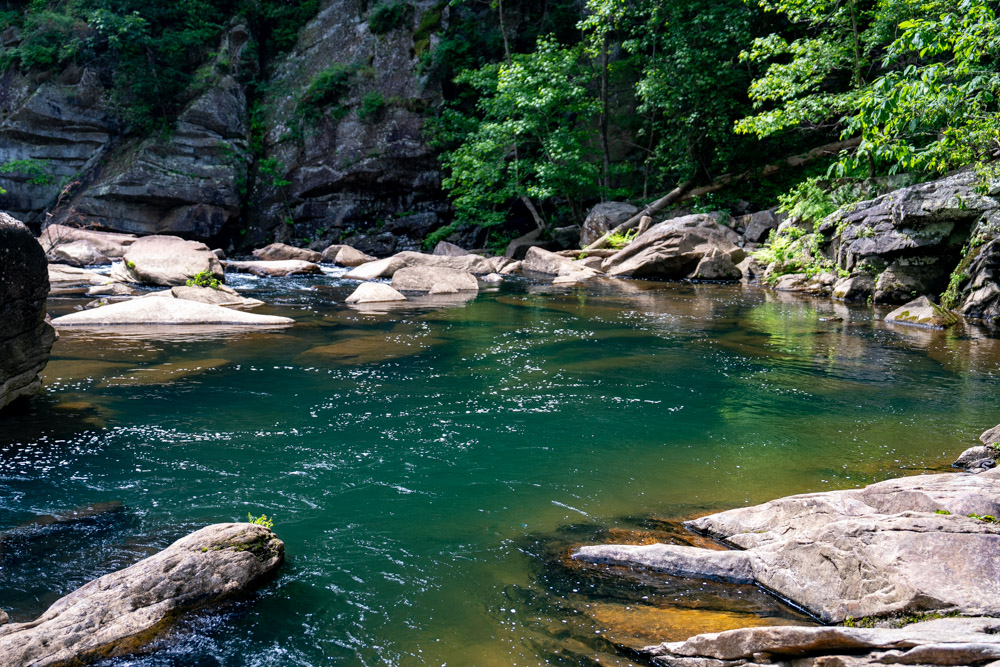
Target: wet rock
{"points": [[672, 250], [491, 279], [345, 255], [26, 336], [582, 275], [445, 248], [112, 289], [512, 268], [64, 278], [109, 244], [922, 312], [819, 284], [716, 266], [603, 218], [159, 310], [374, 293], [434, 279], [674, 559], [77, 253], [169, 260], [859, 287], [977, 458], [475, 264], [380, 268], [945, 641], [751, 269], [276, 269], [880, 550], [593, 263], [120, 612], [280, 251]]}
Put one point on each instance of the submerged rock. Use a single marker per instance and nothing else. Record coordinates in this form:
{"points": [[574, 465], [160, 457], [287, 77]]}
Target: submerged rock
{"points": [[124, 610], [160, 310], [280, 251], [899, 546], [922, 312], [944, 641], [26, 336], [374, 293], [168, 260]]}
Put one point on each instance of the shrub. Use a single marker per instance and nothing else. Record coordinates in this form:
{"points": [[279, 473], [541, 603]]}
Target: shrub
{"points": [[328, 88], [204, 279], [372, 105], [262, 520], [387, 16]]}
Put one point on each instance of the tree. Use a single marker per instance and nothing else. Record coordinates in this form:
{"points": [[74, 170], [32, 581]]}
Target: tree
{"points": [[538, 104]]}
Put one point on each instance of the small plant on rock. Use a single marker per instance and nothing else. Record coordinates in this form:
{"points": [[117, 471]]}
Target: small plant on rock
{"points": [[619, 240], [204, 279], [262, 520]]}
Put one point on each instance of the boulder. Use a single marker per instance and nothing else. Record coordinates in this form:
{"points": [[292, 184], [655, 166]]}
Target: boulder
{"points": [[109, 244], [345, 255], [374, 293], [990, 436], [757, 226], [716, 266], [223, 296], [603, 218], [275, 268], [672, 250], [63, 278], [380, 268], [819, 284], [512, 268], [445, 248], [434, 279], [77, 253], [280, 251], [943, 641], [26, 336], [519, 247], [161, 310], [859, 287], [120, 612], [539, 260], [908, 277], [386, 268], [900, 546], [922, 312], [751, 269], [169, 260], [113, 289], [977, 459]]}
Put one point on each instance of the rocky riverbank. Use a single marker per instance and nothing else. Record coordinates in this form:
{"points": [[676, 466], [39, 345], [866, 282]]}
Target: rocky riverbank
{"points": [[902, 551]]}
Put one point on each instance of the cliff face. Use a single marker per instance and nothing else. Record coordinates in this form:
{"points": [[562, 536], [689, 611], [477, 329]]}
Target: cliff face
{"points": [[254, 156]]}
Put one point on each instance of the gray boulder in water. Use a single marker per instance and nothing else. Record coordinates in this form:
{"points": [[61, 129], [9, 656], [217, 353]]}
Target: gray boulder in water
{"points": [[26, 336], [900, 546], [122, 611]]}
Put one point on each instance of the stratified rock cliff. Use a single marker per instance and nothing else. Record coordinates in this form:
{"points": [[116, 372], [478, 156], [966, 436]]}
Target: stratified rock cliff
{"points": [[25, 333]]}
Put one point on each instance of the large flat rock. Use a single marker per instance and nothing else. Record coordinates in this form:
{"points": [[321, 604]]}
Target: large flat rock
{"points": [[120, 612], [899, 546], [945, 641], [160, 310]]}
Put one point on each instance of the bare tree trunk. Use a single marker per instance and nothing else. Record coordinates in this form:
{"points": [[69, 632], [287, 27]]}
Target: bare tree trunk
{"points": [[605, 149], [655, 207]]}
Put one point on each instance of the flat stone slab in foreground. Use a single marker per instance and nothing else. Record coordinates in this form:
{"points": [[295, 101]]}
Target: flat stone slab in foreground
{"points": [[946, 641], [881, 550], [159, 310], [120, 612]]}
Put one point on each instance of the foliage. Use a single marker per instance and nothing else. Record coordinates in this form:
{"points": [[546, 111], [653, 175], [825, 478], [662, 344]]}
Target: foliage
{"points": [[529, 139], [328, 88], [808, 201], [34, 171], [372, 105], [619, 240], [262, 520], [204, 279], [388, 16], [272, 172]]}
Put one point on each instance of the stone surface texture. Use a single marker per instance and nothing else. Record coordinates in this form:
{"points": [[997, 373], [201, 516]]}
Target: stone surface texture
{"points": [[880, 550], [672, 250], [26, 336], [120, 612], [163, 310], [280, 251], [374, 293], [168, 261]]}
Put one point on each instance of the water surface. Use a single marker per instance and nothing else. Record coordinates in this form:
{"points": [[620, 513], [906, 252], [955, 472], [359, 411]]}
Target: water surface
{"points": [[430, 467]]}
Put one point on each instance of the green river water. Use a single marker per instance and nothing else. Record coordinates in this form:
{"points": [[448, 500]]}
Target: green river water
{"points": [[430, 467]]}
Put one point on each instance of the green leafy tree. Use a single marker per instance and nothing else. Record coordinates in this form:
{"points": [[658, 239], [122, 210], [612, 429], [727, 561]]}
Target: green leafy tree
{"points": [[529, 139]]}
